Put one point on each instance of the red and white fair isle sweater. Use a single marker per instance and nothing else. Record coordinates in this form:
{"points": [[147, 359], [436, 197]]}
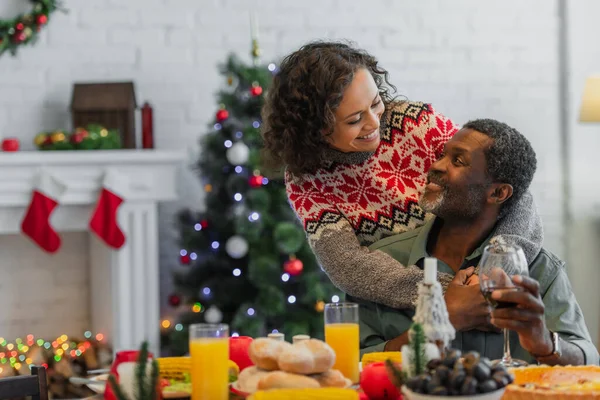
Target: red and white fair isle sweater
{"points": [[360, 198]]}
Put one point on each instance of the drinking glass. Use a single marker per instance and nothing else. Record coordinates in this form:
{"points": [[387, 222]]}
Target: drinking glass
{"points": [[209, 350], [498, 264], [341, 333]]}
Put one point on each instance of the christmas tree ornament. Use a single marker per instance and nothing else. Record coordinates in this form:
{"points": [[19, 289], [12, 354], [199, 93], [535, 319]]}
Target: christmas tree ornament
{"points": [[204, 223], [41, 19], [293, 266], [104, 218], [184, 259], [36, 224], [256, 180], [431, 312], [174, 300], [256, 89], [208, 188], [78, 136], [213, 315], [320, 306], [238, 154], [236, 247], [222, 114]]}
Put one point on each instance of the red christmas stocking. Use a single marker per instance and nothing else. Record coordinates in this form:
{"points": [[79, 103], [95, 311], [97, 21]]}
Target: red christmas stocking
{"points": [[104, 219], [36, 223]]}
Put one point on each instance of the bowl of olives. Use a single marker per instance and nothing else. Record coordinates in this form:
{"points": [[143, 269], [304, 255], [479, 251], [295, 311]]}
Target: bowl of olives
{"points": [[470, 376]]}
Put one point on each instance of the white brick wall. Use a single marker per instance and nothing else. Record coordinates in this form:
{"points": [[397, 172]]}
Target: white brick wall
{"points": [[469, 58]]}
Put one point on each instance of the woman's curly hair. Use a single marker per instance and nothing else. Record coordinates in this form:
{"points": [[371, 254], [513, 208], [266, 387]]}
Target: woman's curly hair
{"points": [[302, 100]]}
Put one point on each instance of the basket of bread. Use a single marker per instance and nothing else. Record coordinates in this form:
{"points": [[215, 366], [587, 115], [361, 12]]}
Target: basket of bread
{"points": [[306, 364]]}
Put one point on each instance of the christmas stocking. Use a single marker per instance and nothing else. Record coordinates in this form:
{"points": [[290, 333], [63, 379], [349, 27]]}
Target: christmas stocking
{"points": [[104, 219], [36, 223]]}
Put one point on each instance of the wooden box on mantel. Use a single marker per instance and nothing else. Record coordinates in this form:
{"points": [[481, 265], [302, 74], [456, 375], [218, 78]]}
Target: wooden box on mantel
{"points": [[111, 105]]}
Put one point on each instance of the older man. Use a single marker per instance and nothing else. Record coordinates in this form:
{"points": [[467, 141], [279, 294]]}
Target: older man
{"points": [[485, 168]]}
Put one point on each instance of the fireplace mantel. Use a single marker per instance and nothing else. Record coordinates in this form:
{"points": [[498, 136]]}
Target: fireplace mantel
{"points": [[124, 288]]}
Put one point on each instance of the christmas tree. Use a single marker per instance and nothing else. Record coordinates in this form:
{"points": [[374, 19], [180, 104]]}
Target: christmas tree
{"points": [[248, 262]]}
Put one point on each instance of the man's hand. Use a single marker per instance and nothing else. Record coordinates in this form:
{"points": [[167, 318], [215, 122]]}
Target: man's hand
{"points": [[526, 317], [466, 306]]}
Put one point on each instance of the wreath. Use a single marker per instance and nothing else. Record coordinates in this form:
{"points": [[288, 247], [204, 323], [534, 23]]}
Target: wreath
{"points": [[24, 28]]}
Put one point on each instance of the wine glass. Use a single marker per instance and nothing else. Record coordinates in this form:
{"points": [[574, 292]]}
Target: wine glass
{"points": [[499, 263]]}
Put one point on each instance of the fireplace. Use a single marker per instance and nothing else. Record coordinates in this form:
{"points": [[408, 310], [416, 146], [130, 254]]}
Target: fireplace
{"points": [[123, 295]]}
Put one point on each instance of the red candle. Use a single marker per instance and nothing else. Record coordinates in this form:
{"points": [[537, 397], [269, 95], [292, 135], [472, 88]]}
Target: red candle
{"points": [[147, 127]]}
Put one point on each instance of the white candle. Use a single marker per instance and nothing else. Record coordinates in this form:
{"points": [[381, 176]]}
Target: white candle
{"points": [[430, 271]]}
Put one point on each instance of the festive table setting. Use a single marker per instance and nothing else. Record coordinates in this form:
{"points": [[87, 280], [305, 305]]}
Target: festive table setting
{"points": [[221, 367]]}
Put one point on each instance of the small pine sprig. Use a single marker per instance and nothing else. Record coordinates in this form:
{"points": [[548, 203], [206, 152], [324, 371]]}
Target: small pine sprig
{"points": [[146, 389], [417, 342], [396, 375]]}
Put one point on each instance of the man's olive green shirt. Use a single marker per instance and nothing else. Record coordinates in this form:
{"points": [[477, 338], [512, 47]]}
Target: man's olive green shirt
{"points": [[379, 323]]}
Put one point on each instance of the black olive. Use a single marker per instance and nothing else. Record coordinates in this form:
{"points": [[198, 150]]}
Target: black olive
{"points": [[433, 364], [433, 383], [487, 386], [469, 386], [500, 378], [414, 383], [481, 372], [457, 379], [425, 379], [487, 362], [439, 391], [470, 360], [443, 372]]}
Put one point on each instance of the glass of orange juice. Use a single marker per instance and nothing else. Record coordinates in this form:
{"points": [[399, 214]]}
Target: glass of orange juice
{"points": [[341, 333], [209, 350]]}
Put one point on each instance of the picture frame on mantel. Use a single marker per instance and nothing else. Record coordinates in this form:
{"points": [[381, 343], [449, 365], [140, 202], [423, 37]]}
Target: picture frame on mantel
{"points": [[110, 104]]}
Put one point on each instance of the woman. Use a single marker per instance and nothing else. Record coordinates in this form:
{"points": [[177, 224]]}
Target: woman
{"points": [[356, 161]]}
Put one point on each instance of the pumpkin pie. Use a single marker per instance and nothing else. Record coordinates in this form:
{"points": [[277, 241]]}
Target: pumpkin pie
{"points": [[554, 383]]}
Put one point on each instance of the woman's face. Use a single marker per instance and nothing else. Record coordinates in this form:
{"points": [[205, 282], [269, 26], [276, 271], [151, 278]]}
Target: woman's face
{"points": [[358, 116]]}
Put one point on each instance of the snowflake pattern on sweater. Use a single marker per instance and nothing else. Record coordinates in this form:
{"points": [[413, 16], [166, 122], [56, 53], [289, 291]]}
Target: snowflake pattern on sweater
{"points": [[379, 196]]}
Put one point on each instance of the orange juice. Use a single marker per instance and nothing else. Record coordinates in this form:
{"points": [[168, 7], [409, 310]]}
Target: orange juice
{"points": [[344, 340], [210, 368]]}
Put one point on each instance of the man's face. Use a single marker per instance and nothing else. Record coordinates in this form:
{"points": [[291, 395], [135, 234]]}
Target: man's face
{"points": [[457, 183]]}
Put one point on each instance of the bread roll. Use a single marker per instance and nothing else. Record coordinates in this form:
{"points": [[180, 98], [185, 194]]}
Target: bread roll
{"points": [[297, 360], [264, 352], [324, 356], [284, 380], [332, 378], [249, 377]]}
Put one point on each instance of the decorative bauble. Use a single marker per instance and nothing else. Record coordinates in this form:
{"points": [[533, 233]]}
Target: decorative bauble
{"points": [[236, 247], [256, 89], [293, 266], [376, 383], [213, 315], [174, 300], [238, 154], [58, 137], [208, 188], [204, 223], [255, 181], [289, 237], [41, 19], [19, 37], [222, 115], [185, 259], [19, 27], [320, 306], [238, 351], [10, 144]]}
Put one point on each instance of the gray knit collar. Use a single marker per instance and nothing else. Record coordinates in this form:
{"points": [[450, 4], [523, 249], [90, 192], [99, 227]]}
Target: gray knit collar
{"points": [[356, 157]]}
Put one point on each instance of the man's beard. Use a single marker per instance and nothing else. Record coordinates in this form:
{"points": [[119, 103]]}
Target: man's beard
{"points": [[448, 204]]}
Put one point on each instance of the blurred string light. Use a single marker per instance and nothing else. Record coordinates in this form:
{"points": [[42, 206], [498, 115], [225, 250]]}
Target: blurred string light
{"points": [[237, 197], [218, 126], [238, 170], [292, 299], [228, 143], [15, 353]]}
